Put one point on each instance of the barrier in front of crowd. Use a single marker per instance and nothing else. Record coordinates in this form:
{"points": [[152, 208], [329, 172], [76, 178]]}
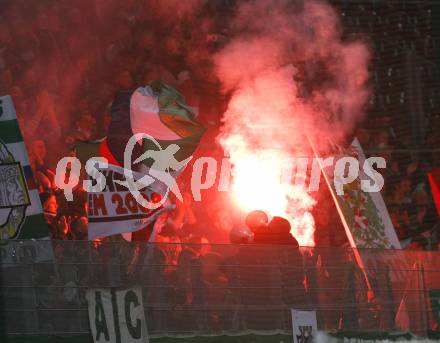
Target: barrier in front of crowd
{"points": [[197, 290]]}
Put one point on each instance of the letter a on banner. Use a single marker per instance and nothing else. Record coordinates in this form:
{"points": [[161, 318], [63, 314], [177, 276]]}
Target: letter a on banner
{"points": [[101, 316], [117, 315]]}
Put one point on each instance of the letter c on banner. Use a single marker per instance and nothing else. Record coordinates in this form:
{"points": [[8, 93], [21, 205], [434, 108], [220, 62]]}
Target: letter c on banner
{"points": [[134, 330]]}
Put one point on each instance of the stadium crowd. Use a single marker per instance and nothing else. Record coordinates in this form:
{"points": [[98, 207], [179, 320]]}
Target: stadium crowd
{"points": [[407, 190], [63, 75]]}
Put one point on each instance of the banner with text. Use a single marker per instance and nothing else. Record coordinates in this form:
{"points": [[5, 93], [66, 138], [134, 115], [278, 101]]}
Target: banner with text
{"points": [[115, 210], [117, 315]]}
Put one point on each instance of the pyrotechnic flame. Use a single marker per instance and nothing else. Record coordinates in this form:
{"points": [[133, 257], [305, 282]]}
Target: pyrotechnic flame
{"points": [[259, 134], [260, 183]]}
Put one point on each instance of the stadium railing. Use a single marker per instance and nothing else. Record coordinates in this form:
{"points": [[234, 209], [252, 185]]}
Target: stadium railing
{"points": [[218, 289]]}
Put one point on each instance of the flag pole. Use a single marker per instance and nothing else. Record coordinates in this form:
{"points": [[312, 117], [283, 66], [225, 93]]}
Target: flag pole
{"points": [[343, 219]]}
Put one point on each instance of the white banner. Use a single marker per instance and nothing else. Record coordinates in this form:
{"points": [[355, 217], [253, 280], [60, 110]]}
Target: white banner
{"points": [[304, 326], [101, 316], [115, 210], [117, 316]]}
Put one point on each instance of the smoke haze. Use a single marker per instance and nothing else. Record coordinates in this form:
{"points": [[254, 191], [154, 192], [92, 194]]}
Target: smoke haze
{"points": [[291, 78]]}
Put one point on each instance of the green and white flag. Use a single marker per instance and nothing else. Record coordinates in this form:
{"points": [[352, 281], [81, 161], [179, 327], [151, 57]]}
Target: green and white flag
{"points": [[366, 212], [21, 214], [363, 215]]}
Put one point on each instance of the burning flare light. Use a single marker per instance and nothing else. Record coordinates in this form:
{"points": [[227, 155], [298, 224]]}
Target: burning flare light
{"points": [[258, 185], [260, 133]]}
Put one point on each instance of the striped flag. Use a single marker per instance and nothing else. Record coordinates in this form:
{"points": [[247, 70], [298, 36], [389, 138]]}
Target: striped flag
{"points": [[156, 110], [161, 112], [21, 214]]}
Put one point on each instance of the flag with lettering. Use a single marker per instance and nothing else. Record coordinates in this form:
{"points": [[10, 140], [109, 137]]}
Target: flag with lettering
{"points": [[117, 315]]}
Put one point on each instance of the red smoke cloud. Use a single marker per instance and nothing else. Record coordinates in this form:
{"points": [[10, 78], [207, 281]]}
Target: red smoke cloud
{"points": [[284, 65], [290, 76]]}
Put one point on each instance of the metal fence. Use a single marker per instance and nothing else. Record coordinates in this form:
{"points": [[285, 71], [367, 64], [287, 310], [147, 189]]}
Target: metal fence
{"points": [[213, 289]]}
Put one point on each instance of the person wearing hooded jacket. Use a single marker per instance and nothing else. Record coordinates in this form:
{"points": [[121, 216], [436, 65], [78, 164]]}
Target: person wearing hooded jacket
{"points": [[286, 253]]}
